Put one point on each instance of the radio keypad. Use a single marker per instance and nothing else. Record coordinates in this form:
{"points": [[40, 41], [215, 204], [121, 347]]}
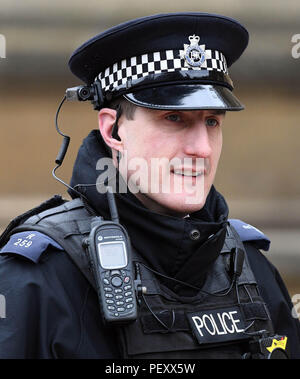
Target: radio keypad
{"points": [[115, 296]]}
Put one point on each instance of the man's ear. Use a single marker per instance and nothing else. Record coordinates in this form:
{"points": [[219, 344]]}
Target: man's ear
{"points": [[107, 119]]}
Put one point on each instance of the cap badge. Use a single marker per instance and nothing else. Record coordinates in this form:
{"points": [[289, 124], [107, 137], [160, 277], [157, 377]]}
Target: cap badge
{"points": [[193, 54]]}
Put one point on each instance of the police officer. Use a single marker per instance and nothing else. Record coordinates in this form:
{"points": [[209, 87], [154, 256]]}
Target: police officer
{"points": [[200, 286]]}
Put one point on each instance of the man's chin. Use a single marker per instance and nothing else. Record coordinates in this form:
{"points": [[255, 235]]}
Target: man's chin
{"points": [[181, 210], [178, 205]]}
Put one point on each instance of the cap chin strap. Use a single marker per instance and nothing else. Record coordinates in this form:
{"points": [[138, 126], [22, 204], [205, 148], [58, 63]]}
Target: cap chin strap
{"points": [[114, 132]]}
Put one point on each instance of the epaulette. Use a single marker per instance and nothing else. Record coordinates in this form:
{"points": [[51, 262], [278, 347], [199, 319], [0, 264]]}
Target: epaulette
{"points": [[29, 244], [61, 227], [54, 201], [249, 233]]}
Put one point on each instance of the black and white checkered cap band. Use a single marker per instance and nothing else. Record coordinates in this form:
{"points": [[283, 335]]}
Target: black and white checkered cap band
{"points": [[156, 63]]}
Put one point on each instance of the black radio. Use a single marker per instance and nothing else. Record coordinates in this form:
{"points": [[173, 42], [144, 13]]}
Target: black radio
{"points": [[109, 249]]}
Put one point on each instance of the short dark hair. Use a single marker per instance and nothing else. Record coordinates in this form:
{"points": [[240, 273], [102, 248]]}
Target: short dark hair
{"points": [[126, 107]]}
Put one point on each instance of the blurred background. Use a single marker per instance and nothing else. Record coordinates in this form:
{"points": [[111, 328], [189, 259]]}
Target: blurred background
{"points": [[259, 168]]}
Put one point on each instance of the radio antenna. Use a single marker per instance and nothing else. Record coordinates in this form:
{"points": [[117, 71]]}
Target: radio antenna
{"points": [[112, 205]]}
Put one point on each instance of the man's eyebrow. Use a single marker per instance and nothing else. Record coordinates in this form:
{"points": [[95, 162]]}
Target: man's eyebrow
{"points": [[217, 111], [211, 111]]}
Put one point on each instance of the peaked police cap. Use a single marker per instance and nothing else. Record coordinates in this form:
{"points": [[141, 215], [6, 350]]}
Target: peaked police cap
{"points": [[165, 61]]}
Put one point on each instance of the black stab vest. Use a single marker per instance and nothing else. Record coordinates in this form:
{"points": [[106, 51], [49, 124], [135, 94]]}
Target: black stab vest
{"points": [[214, 323]]}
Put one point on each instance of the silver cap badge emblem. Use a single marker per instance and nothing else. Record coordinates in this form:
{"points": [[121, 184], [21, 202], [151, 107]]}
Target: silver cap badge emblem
{"points": [[193, 54]]}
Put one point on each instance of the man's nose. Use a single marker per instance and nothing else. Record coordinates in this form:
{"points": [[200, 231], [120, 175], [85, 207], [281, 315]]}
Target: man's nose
{"points": [[197, 142]]}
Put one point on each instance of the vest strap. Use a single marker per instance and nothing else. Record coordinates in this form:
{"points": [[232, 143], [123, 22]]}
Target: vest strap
{"points": [[54, 201]]}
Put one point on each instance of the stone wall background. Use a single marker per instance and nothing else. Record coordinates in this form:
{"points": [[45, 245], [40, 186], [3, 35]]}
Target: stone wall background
{"points": [[259, 168]]}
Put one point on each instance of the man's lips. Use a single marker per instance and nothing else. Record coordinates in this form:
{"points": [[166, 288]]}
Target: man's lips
{"points": [[190, 167], [188, 172]]}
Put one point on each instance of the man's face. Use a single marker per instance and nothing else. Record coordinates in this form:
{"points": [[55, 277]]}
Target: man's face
{"points": [[171, 157]]}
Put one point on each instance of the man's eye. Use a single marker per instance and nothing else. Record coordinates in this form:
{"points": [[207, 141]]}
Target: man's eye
{"points": [[173, 117], [212, 122]]}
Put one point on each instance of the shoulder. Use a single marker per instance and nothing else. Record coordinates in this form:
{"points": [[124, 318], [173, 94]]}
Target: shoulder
{"points": [[37, 255], [276, 296], [32, 233], [254, 240], [32, 261], [29, 244], [249, 233]]}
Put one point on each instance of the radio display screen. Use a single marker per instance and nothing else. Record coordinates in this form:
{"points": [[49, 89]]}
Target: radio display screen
{"points": [[112, 255]]}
